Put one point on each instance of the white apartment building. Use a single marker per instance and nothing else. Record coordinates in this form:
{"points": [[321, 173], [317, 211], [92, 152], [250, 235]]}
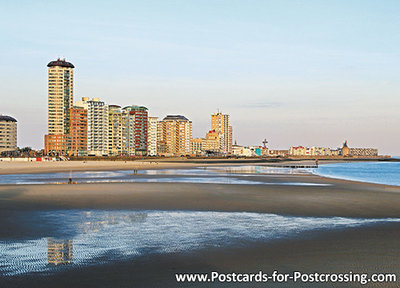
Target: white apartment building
{"points": [[97, 125], [152, 136]]}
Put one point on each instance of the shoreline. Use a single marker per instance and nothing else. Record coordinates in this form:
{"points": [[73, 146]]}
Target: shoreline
{"points": [[7, 168], [68, 166]]}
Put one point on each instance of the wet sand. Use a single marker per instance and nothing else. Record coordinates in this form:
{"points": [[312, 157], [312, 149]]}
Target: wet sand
{"points": [[341, 198], [66, 166], [370, 249]]}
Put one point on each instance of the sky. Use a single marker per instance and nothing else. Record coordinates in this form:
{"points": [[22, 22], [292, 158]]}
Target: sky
{"points": [[311, 73]]}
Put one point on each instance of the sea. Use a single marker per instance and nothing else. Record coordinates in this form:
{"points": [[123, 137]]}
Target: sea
{"points": [[381, 172]]}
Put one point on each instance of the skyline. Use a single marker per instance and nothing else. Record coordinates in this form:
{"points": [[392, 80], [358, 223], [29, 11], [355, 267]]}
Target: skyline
{"points": [[281, 81]]}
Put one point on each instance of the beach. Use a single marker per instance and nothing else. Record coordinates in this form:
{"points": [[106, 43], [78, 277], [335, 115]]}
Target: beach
{"points": [[62, 166], [364, 249]]}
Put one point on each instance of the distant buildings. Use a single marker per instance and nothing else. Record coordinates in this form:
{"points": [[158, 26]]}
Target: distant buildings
{"points": [[313, 151], [345, 151], [94, 128], [8, 134], [242, 151], [278, 153], [174, 136], [218, 140], [348, 152]]}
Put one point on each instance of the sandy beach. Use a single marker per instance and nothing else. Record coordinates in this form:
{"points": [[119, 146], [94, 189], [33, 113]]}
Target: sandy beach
{"points": [[66, 166], [369, 249]]}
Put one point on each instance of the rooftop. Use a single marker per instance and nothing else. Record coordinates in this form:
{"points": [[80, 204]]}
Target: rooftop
{"points": [[175, 117], [7, 118], [60, 62], [135, 108]]}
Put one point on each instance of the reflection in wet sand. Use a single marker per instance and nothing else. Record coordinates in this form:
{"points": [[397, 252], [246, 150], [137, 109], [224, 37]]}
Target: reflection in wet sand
{"points": [[59, 251], [96, 237]]}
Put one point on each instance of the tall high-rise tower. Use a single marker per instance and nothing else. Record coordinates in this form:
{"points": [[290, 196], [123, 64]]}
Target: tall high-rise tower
{"points": [[60, 96], [60, 101], [220, 124]]}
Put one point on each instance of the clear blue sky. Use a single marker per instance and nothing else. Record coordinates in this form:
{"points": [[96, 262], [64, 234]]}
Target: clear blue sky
{"points": [[294, 72]]}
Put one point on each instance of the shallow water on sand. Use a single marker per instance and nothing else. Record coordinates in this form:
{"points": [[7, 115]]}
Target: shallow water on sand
{"points": [[211, 175], [64, 239]]}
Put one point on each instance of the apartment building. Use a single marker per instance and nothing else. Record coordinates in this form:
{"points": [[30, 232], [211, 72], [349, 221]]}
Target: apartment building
{"points": [[97, 125], [77, 139], [8, 134], [116, 122], [220, 124], [152, 136], [135, 130], [174, 136]]}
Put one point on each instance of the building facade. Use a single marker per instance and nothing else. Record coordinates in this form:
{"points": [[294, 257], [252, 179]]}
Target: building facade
{"points": [[152, 136], [242, 151], [60, 101], [358, 152], [135, 134], [60, 95], [97, 125], [220, 124], [116, 121], [174, 136], [197, 146], [77, 139], [312, 151], [363, 152], [8, 134]]}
